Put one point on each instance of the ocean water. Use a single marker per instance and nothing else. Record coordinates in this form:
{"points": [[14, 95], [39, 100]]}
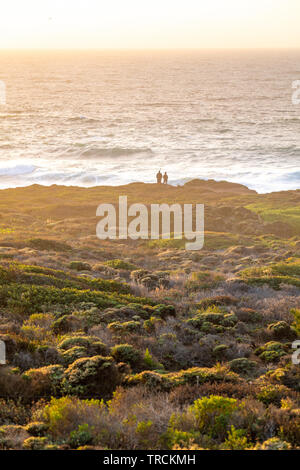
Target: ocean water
{"points": [[108, 118]]}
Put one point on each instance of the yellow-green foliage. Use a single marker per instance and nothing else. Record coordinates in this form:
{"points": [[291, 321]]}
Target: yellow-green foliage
{"points": [[120, 264], [274, 275], [271, 212], [194, 375], [296, 313], [38, 275], [61, 415], [31, 299], [203, 280], [208, 418]]}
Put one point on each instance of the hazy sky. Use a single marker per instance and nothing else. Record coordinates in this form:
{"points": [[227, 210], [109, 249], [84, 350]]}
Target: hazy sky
{"points": [[149, 23]]}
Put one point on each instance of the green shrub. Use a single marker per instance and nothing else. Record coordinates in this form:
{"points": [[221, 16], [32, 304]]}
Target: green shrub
{"points": [[152, 380], [45, 381], [273, 275], [71, 355], [79, 266], [63, 415], [271, 351], [127, 353], [61, 325], [37, 428], [120, 264], [281, 330], [212, 414], [125, 327], [242, 365], [208, 419], [164, 311], [271, 394], [218, 301], [274, 443], [296, 313], [35, 443], [32, 299], [92, 344], [92, 376], [220, 350], [212, 316], [81, 436], [150, 362], [192, 376], [236, 440]]}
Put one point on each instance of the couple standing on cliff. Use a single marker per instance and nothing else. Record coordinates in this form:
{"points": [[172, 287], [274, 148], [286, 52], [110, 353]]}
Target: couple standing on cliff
{"points": [[160, 177]]}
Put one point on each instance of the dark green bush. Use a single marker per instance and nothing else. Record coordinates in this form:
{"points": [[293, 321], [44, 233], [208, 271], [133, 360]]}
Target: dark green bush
{"points": [[127, 353], [93, 376], [79, 266], [243, 365]]}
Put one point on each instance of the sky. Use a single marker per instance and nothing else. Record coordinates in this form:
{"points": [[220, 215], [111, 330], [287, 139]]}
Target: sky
{"points": [[149, 24]]}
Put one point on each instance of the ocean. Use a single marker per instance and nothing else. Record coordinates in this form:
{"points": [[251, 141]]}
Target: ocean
{"points": [[113, 117]]}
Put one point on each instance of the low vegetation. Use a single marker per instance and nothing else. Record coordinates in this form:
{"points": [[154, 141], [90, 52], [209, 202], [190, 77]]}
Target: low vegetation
{"points": [[143, 345]]}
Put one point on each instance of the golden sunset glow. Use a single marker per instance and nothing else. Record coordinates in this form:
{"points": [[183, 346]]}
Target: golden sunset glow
{"points": [[155, 24]]}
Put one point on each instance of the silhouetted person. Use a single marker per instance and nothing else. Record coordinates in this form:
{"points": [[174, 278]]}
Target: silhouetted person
{"points": [[159, 177], [165, 178]]}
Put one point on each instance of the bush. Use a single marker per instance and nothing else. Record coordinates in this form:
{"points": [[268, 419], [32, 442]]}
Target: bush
{"points": [[271, 394], [152, 380], [164, 311], [80, 422], [32, 299], [296, 313], [194, 375], [92, 376], [220, 350], [203, 280], [271, 352], [35, 443], [61, 325], [81, 436], [212, 414], [273, 444], [92, 344], [213, 316], [127, 353], [206, 422], [13, 411], [79, 266], [150, 362], [36, 428], [242, 365], [282, 330], [125, 327], [120, 264], [63, 415], [44, 381], [71, 355], [236, 440]]}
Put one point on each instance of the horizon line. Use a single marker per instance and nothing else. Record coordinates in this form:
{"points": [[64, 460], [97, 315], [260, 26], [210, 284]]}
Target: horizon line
{"points": [[147, 49]]}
